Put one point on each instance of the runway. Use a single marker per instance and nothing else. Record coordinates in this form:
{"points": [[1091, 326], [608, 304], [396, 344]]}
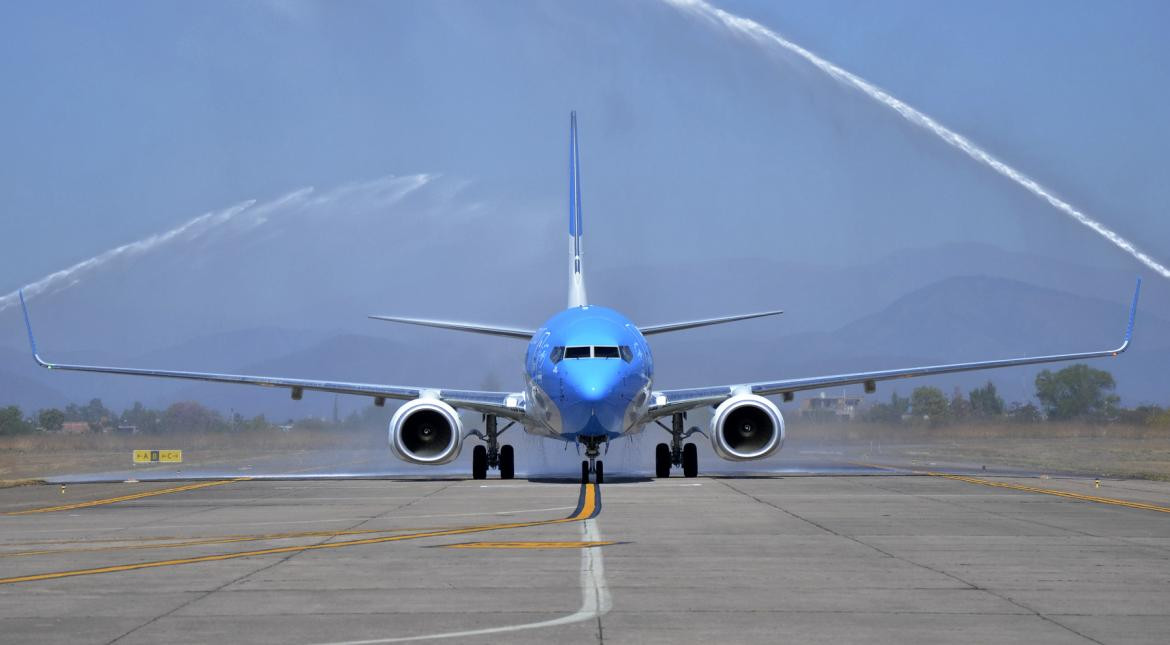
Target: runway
{"points": [[879, 558]]}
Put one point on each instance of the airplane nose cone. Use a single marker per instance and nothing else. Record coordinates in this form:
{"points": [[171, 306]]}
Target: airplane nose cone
{"points": [[592, 381]]}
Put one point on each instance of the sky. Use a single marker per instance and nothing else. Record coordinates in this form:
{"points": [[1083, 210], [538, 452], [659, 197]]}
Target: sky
{"points": [[125, 120]]}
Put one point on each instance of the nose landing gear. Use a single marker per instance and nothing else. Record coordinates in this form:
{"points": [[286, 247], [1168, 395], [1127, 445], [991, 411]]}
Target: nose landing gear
{"points": [[493, 455], [677, 453], [592, 464]]}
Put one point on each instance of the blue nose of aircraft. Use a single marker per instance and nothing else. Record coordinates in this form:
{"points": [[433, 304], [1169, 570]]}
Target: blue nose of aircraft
{"points": [[592, 380], [594, 403]]}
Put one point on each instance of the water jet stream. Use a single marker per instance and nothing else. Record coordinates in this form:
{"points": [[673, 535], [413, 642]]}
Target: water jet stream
{"points": [[383, 191], [764, 36]]}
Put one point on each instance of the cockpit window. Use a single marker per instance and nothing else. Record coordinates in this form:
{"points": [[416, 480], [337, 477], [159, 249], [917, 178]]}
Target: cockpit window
{"points": [[577, 352], [597, 351], [605, 352]]}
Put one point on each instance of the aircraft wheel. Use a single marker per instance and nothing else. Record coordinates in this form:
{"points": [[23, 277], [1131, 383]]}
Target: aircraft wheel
{"points": [[479, 463], [507, 462], [584, 472], [662, 461], [690, 460], [598, 476]]}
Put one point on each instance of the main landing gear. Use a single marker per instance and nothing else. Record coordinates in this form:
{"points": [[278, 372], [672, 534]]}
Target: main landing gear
{"points": [[592, 464], [677, 453], [493, 455]]}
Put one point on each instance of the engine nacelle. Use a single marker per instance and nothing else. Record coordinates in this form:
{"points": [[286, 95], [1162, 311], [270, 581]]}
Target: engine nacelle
{"points": [[745, 427], [426, 431]]}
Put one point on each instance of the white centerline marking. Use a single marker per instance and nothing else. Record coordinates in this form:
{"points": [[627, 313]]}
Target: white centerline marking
{"points": [[595, 599]]}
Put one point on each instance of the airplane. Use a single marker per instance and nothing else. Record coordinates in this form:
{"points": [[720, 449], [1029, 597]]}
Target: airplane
{"points": [[589, 379]]}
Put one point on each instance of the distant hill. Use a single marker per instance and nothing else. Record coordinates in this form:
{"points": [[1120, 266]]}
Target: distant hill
{"points": [[826, 297], [29, 394]]}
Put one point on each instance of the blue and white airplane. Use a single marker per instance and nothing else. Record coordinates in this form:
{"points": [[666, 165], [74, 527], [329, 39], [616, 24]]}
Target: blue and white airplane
{"points": [[589, 379]]}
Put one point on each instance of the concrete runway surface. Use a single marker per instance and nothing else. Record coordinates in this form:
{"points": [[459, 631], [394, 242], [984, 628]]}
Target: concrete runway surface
{"points": [[878, 558]]}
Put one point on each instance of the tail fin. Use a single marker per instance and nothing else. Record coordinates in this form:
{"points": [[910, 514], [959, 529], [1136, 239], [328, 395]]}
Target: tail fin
{"points": [[576, 277]]}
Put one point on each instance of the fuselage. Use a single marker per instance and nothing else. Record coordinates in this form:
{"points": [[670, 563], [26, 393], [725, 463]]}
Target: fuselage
{"points": [[588, 373]]}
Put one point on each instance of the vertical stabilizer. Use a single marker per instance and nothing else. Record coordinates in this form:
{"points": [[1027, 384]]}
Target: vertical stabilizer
{"points": [[576, 277]]}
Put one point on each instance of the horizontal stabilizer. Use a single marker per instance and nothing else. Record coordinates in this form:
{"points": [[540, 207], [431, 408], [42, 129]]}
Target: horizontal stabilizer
{"points": [[691, 324], [477, 328]]}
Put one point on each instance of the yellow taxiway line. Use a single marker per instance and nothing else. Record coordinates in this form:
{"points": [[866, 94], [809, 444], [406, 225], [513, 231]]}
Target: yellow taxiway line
{"points": [[125, 498], [170, 542], [1051, 491], [165, 491], [588, 506], [1028, 489]]}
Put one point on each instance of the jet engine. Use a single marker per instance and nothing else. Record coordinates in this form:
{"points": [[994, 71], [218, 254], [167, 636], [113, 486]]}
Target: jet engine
{"points": [[745, 427], [426, 431]]}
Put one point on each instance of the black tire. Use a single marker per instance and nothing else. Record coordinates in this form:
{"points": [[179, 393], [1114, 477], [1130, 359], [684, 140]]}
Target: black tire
{"points": [[584, 472], [598, 476], [662, 461], [479, 463], [507, 462], [690, 460]]}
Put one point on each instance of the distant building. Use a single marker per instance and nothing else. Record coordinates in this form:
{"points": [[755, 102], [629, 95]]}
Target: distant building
{"points": [[75, 427], [831, 408]]}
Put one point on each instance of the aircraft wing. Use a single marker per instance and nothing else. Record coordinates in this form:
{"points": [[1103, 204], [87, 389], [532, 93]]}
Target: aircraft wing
{"points": [[505, 404], [670, 401]]}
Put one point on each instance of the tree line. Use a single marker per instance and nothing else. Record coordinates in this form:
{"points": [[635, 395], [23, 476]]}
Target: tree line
{"points": [[1075, 393]]}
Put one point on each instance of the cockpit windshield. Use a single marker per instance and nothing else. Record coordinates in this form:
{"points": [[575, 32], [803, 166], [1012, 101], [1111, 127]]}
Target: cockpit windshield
{"points": [[578, 352], [560, 353], [605, 352]]}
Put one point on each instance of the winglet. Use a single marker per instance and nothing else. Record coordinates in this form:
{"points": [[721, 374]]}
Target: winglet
{"points": [[1132, 317], [32, 341]]}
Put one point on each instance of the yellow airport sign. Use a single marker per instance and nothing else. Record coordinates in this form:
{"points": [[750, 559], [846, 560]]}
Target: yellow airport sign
{"points": [[158, 456]]}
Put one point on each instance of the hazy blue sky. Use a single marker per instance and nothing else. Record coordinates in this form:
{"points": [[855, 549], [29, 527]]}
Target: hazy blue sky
{"points": [[123, 119], [127, 119], [717, 176]]}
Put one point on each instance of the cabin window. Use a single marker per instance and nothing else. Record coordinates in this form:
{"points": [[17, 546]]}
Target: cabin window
{"points": [[606, 352], [627, 354], [577, 352], [557, 354]]}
